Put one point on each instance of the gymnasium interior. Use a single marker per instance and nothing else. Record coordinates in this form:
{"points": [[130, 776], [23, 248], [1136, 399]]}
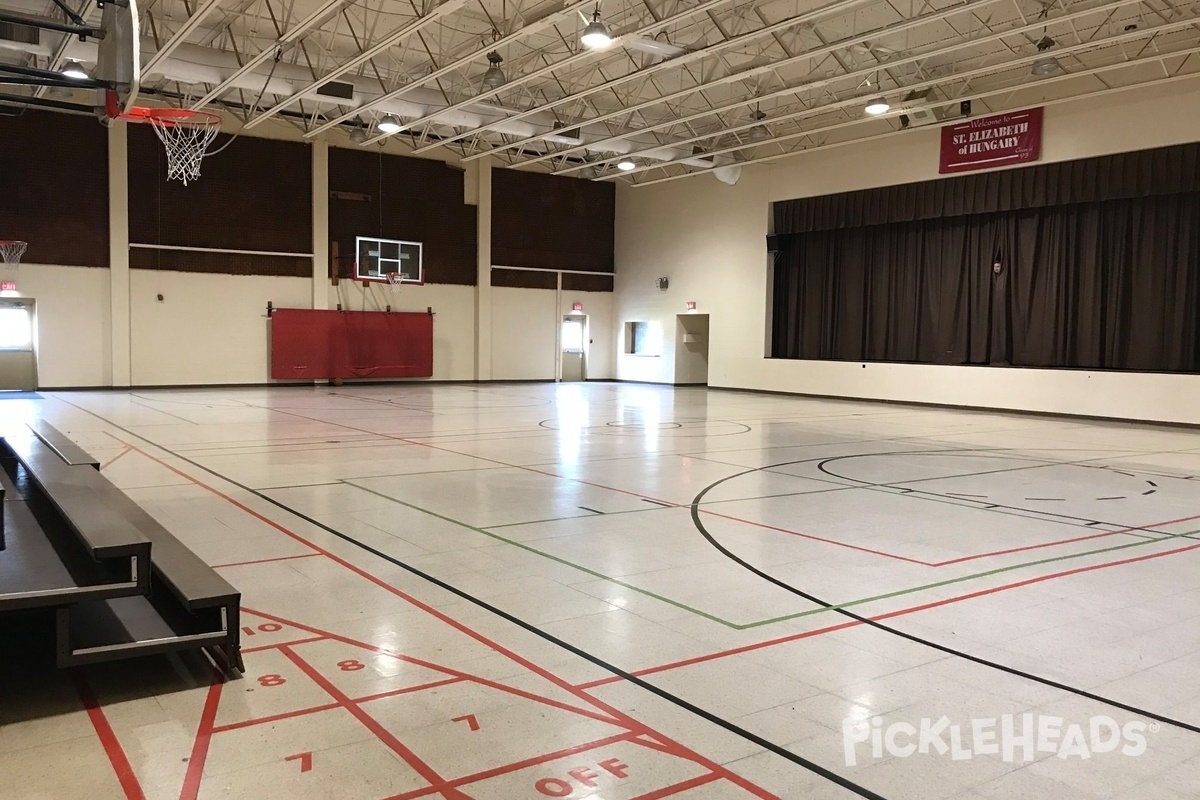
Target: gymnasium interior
{"points": [[610, 399]]}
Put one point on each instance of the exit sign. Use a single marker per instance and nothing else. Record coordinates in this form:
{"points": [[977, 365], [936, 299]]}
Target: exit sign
{"points": [[8, 286], [577, 307]]}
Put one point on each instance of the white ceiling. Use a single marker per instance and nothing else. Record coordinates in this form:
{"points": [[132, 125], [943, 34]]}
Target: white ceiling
{"points": [[678, 90]]}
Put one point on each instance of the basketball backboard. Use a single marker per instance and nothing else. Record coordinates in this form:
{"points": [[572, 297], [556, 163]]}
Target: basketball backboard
{"points": [[118, 58], [377, 258]]}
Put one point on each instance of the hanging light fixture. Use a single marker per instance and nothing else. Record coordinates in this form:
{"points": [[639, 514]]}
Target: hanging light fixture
{"points": [[595, 36], [1046, 65], [389, 124], [626, 164], [759, 133], [877, 106], [358, 135], [494, 78], [74, 70]]}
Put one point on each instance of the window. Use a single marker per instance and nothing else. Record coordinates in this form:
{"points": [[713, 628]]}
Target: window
{"points": [[377, 258], [642, 338], [16, 332], [572, 335]]}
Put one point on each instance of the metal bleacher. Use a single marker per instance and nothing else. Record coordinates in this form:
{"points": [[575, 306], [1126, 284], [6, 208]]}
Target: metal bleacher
{"points": [[118, 583]]}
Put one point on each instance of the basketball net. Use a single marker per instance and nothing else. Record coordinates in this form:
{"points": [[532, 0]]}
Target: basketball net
{"points": [[186, 144], [185, 135], [395, 280], [11, 252]]}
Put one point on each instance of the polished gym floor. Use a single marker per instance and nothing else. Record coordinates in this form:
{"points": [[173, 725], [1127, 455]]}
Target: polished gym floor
{"points": [[617, 591]]}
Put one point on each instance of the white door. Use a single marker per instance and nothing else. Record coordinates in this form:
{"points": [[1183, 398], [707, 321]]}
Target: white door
{"points": [[18, 364], [574, 350]]}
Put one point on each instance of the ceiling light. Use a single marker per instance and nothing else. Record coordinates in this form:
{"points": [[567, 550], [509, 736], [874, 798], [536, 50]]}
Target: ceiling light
{"points": [[626, 164], [389, 124], [358, 135], [759, 133], [1046, 65], [75, 70], [877, 106], [595, 35], [494, 78]]}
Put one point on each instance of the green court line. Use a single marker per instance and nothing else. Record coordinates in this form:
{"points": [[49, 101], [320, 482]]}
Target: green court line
{"points": [[786, 617]]}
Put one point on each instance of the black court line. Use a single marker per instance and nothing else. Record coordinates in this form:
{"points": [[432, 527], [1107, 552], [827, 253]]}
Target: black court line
{"points": [[695, 508], [594, 511], [641, 683]]}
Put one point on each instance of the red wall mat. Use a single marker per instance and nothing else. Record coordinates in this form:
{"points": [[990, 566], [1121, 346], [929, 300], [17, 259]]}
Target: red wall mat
{"points": [[313, 344]]}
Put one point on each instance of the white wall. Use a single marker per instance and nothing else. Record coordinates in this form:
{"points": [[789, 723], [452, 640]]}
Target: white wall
{"points": [[207, 328], [708, 238], [524, 334], [72, 308]]}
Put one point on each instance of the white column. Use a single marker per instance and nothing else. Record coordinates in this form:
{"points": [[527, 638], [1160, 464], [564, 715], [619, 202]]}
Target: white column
{"points": [[320, 225], [483, 288], [118, 253]]}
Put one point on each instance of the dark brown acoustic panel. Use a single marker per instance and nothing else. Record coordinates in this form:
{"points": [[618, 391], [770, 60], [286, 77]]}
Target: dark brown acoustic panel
{"points": [[552, 222], [409, 199], [587, 283], [256, 194], [524, 279], [220, 263], [54, 187]]}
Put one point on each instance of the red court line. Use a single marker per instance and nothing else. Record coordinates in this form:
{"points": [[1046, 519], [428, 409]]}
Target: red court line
{"points": [[108, 463], [370, 723], [264, 560], [195, 770], [818, 538], [249, 723], [108, 739], [278, 645], [302, 712], [408, 690], [703, 510], [515, 766], [1065, 541], [457, 675], [562, 683], [683, 786], [889, 615]]}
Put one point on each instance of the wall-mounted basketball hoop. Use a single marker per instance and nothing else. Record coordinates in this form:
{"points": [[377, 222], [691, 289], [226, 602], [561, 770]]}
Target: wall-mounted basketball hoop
{"points": [[185, 134], [11, 251], [395, 280]]}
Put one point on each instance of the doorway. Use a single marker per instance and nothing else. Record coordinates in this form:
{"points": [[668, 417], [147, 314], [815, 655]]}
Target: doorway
{"points": [[18, 362], [573, 340], [691, 349]]}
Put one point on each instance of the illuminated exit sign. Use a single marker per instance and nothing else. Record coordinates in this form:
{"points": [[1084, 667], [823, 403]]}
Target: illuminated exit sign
{"points": [[8, 286]]}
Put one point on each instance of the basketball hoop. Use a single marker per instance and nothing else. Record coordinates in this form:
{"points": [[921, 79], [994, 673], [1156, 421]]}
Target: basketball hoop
{"points": [[395, 279], [11, 251], [185, 134]]}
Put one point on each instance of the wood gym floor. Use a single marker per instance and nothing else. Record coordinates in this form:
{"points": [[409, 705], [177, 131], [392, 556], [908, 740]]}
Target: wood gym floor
{"points": [[620, 591]]}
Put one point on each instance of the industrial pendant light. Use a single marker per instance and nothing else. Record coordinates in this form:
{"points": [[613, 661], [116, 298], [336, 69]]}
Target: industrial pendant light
{"points": [[759, 133], [389, 124], [494, 78], [1046, 66], [595, 35]]}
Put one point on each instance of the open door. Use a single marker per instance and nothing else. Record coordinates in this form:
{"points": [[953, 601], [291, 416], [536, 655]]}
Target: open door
{"points": [[18, 362], [691, 349], [574, 349]]}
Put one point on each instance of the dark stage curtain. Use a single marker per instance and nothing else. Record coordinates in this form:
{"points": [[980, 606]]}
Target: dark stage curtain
{"points": [[1105, 284]]}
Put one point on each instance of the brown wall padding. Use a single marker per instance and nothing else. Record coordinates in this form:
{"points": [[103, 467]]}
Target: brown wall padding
{"points": [[411, 199], [587, 283], [54, 187], [254, 195], [552, 222], [524, 279]]}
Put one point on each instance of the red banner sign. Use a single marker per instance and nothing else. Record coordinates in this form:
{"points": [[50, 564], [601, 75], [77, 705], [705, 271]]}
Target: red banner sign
{"points": [[989, 142]]}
